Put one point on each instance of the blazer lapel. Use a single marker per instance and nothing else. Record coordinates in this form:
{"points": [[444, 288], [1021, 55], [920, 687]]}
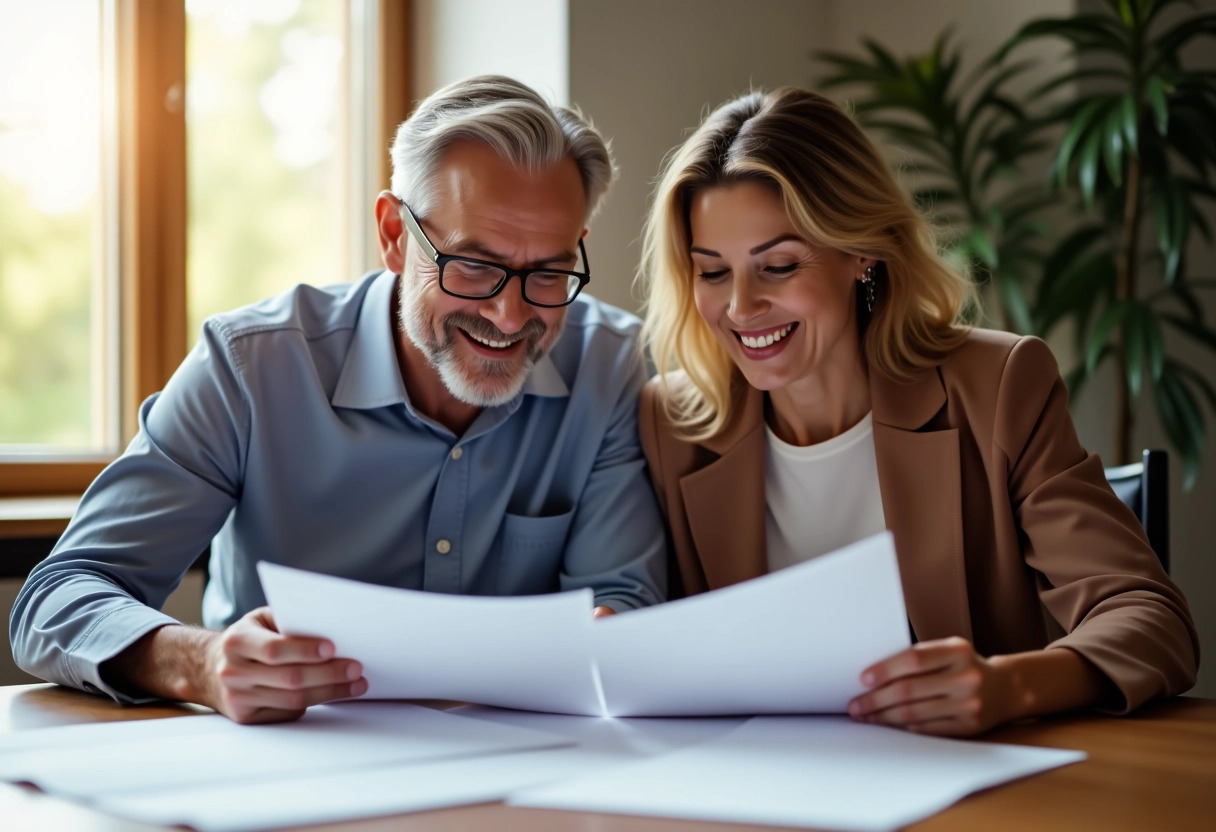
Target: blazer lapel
{"points": [[919, 479], [725, 500]]}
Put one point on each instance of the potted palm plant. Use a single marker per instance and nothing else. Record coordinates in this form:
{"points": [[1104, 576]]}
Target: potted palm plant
{"points": [[1139, 148]]}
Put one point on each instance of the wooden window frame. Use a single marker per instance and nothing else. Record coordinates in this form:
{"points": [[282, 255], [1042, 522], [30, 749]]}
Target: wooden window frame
{"points": [[151, 239]]}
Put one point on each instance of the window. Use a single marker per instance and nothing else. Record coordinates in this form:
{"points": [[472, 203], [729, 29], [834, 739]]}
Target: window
{"points": [[54, 361], [160, 162]]}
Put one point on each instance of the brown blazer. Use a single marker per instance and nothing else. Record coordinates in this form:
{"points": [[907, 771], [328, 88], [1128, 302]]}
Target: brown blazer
{"points": [[1006, 531]]}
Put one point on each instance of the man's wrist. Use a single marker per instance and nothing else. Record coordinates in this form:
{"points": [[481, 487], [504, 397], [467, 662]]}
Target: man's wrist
{"points": [[169, 663]]}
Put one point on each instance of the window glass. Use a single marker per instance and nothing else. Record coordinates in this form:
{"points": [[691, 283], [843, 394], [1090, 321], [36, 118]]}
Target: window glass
{"points": [[52, 353], [265, 104]]}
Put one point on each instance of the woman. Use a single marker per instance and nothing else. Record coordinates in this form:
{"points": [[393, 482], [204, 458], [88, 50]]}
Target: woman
{"points": [[825, 391]]}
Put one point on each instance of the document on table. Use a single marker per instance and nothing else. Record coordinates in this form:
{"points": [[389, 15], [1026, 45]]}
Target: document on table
{"points": [[823, 772], [794, 641], [595, 744], [110, 760]]}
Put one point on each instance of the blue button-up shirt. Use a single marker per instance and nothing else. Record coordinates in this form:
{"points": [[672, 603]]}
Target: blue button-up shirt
{"points": [[287, 436]]}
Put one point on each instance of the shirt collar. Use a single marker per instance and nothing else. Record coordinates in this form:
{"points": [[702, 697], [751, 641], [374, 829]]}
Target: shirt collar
{"points": [[371, 376]]}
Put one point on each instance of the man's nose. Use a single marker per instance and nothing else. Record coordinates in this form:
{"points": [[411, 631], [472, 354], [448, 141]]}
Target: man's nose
{"points": [[508, 310]]}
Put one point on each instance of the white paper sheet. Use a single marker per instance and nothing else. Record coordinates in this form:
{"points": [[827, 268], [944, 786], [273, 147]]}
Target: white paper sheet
{"points": [[346, 736], [826, 772], [794, 641], [337, 796], [528, 652], [104, 733], [615, 739]]}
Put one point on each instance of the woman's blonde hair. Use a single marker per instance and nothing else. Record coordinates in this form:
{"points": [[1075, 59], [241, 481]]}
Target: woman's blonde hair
{"points": [[839, 193]]}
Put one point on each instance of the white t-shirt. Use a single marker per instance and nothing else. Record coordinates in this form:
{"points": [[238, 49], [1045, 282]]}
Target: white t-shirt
{"points": [[820, 497]]}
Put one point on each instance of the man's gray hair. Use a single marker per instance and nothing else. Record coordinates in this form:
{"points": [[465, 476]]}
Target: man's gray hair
{"points": [[510, 117]]}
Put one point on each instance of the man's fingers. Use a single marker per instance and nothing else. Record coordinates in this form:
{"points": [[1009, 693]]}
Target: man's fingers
{"points": [[248, 675], [254, 639], [264, 617], [259, 698], [602, 612]]}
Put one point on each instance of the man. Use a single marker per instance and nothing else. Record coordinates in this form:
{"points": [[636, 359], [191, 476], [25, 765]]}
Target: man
{"points": [[464, 422]]}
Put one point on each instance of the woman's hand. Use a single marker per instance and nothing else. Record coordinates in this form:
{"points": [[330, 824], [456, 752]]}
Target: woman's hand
{"points": [[936, 687]]}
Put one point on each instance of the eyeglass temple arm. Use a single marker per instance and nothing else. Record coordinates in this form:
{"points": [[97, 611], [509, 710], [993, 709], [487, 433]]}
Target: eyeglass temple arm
{"points": [[407, 216]]}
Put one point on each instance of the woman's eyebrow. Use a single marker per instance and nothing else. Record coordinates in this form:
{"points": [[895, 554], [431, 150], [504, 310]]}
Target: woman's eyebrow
{"points": [[775, 241], [757, 250]]}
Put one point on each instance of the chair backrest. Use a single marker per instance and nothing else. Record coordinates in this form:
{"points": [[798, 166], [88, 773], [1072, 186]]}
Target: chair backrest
{"points": [[1145, 488]]}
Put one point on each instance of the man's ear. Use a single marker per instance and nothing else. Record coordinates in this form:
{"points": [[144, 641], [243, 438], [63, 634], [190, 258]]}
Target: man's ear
{"points": [[391, 232]]}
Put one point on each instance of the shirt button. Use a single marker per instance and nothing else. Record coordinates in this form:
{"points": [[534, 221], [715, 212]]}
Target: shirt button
{"points": [[457, 452], [443, 546]]}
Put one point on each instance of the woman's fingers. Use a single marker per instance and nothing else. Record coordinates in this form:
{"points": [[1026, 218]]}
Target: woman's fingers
{"points": [[918, 659], [939, 687]]}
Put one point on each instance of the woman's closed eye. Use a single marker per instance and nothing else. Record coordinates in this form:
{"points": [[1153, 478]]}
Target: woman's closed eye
{"points": [[773, 269], [782, 270]]}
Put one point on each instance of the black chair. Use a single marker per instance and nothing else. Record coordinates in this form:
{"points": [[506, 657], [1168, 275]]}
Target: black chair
{"points": [[1145, 488]]}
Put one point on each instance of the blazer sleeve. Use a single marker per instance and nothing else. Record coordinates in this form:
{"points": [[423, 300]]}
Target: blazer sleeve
{"points": [[1100, 579]]}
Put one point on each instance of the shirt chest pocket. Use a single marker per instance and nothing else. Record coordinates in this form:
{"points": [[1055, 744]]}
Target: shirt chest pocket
{"points": [[529, 552]]}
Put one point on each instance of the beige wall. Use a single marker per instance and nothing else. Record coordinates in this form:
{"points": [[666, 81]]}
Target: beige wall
{"points": [[647, 70], [525, 39]]}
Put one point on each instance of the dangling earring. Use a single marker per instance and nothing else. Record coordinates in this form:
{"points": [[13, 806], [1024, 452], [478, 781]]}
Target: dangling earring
{"points": [[867, 280]]}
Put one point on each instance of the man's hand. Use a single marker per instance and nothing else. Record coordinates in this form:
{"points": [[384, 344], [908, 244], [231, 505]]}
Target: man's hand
{"points": [[249, 672], [253, 673], [602, 612], [935, 687]]}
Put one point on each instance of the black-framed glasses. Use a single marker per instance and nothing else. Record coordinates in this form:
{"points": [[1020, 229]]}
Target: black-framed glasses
{"points": [[473, 279]]}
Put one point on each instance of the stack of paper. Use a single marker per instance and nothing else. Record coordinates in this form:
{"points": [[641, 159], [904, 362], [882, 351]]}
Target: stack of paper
{"points": [[823, 772], [155, 755]]}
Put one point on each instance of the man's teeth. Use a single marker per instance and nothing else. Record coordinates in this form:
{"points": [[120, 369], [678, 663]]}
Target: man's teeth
{"points": [[498, 345], [765, 340]]}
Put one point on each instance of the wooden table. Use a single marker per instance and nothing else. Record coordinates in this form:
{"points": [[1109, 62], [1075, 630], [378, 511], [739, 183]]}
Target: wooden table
{"points": [[1152, 771]]}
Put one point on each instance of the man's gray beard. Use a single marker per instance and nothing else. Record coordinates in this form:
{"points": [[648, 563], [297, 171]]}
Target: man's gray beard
{"points": [[443, 357]]}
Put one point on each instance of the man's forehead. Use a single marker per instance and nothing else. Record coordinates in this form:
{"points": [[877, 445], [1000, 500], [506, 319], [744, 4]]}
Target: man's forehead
{"points": [[473, 172]]}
